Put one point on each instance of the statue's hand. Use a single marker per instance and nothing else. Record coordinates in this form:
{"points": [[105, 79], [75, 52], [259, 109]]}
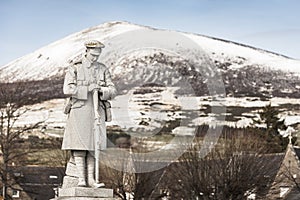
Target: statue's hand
{"points": [[101, 83], [94, 86]]}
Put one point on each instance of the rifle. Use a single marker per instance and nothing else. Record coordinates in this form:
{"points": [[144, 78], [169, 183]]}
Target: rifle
{"points": [[96, 133]]}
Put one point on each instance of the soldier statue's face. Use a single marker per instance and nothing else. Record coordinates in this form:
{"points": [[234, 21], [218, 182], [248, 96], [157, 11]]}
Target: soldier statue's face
{"points": [[93, 55]]}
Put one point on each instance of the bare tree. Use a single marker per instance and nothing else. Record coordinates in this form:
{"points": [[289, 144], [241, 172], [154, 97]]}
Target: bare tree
{"points": [[12, 98], [54, 156], [236, 168], [127, 183]]}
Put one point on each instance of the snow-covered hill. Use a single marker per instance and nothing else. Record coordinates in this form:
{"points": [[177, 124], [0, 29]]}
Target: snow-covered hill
{"points": [[155, 81], [53, 59]]}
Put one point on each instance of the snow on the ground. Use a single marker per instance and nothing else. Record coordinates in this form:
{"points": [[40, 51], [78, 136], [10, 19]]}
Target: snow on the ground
{"points": [[183, 131], [50, 113], [131, 109], [290, 120]]}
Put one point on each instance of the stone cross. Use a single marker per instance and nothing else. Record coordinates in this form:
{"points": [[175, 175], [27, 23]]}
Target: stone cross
{"points": [[290, 137]]}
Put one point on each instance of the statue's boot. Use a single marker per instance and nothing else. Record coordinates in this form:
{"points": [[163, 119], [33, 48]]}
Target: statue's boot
{"points": [[81, 169], [91, 172]]}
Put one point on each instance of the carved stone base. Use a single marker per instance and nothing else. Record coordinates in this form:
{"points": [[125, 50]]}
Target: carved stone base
{"points": [[71, 169], [70, 191], [85, 192], [69, 182], [82, 193], [82, 198]]}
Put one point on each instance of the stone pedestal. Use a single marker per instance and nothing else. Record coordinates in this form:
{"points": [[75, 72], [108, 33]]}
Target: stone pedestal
{"points": [[82, 193], [70, 191], [71, 178], [85, 193]]}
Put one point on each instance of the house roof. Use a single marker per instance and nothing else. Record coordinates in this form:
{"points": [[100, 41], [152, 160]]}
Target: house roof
{"points": [[293, 195], [36, 175], [38, 182], [297, 151]]}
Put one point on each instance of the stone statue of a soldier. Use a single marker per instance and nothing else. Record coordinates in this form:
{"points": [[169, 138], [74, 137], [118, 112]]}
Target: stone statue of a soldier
{"points": [[82, 80]]}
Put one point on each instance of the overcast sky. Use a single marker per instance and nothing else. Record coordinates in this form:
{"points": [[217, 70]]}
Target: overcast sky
{"points": [[26, 25]]}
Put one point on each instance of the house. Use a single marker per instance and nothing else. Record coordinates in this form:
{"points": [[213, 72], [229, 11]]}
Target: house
{"points": [[286, 184], [35, 182], [281, 182]]}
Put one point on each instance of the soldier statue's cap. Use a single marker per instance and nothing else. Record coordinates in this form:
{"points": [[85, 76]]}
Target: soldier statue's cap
{"points": [[94, 44]]}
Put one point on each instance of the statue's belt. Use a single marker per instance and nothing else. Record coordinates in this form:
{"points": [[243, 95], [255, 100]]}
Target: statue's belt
{"points": [[87, 83]]}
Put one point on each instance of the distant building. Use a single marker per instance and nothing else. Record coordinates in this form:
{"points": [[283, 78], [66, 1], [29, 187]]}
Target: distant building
{"points": [[41, 183], [286, 184], [35, 182]]}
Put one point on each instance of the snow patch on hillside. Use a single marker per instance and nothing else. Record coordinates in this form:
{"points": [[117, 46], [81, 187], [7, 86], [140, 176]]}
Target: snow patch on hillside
{"points": [[53, 59], [222, 51], [150, 111]]}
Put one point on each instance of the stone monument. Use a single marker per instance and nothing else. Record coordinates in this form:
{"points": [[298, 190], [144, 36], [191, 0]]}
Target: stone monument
{"points": [[89, 87]]}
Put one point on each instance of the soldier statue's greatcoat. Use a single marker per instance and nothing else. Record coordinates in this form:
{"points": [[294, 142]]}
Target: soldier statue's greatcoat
{"points": [[82, 79]]}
